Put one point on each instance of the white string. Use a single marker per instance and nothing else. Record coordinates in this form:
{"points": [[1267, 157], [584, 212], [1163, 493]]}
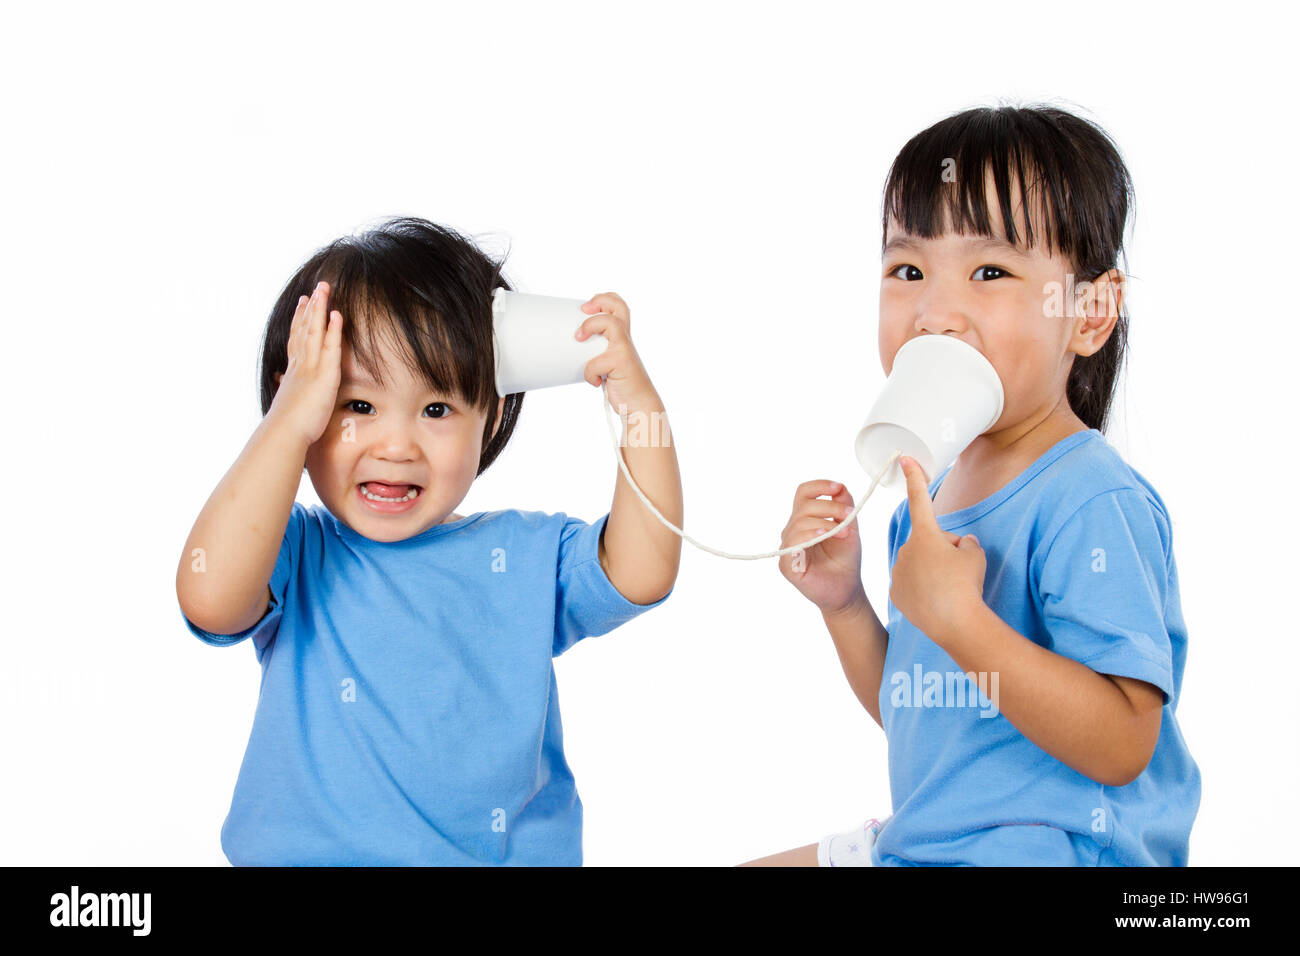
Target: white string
{"points": [[622, 463]]}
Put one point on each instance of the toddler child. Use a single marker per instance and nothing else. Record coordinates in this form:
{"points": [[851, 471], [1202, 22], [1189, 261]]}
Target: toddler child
{"points": [[408, 712]]}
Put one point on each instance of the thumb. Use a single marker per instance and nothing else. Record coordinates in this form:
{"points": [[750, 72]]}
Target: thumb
{"points": [[969, 541]]}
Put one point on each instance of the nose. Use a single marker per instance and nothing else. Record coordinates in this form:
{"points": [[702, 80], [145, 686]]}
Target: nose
{"points": [[938, 312], [395, 443], [941, 321], [941, 310]]}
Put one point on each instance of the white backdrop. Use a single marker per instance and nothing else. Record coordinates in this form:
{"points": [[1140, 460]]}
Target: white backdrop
{"points": [[719, 165]]}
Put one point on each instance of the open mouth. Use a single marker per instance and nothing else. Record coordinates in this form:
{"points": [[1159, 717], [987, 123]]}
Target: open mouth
{"points": [[379, 491], [388, 498]]}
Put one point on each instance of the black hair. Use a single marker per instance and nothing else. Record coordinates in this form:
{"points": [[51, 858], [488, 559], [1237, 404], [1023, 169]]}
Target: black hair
{"points": [[427, 285], [1084, 193]]}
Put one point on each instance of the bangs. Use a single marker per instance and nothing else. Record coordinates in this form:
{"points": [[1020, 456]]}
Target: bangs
{"points": [[433, 314], [401, 319], [1051, 173], [425, 292]]}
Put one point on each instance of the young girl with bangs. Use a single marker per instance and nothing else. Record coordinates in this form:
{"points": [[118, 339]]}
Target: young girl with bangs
{"points": [[1038, 568]]}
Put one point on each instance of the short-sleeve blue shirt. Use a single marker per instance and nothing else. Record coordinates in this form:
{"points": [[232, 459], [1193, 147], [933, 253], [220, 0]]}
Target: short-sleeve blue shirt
{"points": [[1080, 561], [408, 712]]}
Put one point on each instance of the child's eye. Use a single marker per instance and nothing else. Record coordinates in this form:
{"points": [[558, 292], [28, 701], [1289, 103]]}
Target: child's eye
{"points": [[998, 269], [905, 265], [360, 411], [446, 409]]}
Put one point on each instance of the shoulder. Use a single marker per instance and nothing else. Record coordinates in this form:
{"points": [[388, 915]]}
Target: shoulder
{"points": [[568, 540], [313, 525], [554, 527], [527, 520], [304, 519], [1093, 495], [1093, 476]]}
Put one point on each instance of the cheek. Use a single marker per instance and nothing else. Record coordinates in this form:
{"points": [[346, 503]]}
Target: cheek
{"points": [[318, 465], [457, 451], [1045, 329], [896, 315], [332, 451], [1044, 343], [1024, 362], [890, 333]]}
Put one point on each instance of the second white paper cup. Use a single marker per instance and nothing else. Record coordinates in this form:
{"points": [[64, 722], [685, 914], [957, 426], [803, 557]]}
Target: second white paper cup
{"points": [[940, 396], [534, 343]]}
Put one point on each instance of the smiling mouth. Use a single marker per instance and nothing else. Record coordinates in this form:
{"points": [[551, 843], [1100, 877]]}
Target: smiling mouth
{"points": [[389, 494]]}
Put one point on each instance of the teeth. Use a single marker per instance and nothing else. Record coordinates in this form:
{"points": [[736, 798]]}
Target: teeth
{"points": [[409, 496]]}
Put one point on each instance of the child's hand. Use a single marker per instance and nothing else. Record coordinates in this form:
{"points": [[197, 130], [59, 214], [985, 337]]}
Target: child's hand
{"points": [[309, 385], [828, 574], [937, 574], [626, 380]]}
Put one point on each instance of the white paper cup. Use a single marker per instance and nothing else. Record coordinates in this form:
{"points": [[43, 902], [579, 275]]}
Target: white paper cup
{"points": [[534, 343], [940, 396]]}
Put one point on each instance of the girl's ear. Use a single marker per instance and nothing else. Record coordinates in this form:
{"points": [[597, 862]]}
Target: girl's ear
{"points": [[1108, 293], [1099, 307]]}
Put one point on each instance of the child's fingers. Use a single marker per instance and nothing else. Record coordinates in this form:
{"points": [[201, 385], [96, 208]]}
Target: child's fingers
{"points": [[602, 323], [808, 499], [612, 303], [801, 532], [825, 508], [331, 350], [302, 323], [315, 326], [295, 326], [805, 529], [820, 526], [817, 488]]}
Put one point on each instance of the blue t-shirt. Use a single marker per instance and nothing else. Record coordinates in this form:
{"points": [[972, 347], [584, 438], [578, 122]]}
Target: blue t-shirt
{"points": [[1080, 561], [408, 712]]}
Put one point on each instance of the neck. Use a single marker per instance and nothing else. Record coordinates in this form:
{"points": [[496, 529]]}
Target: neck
{"points": [[1015, 447]]}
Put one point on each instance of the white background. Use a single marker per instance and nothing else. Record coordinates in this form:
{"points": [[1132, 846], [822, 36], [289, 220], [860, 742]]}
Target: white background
{"points": [[165, 169]]}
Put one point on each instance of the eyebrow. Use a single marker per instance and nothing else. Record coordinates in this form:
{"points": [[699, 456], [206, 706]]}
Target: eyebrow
{"points": [[353, 381], [998, 245]]}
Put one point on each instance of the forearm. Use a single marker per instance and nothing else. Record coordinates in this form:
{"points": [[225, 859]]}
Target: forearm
{"points": [[861, 642], [640, 555], [222, 580], [1080, 717]]}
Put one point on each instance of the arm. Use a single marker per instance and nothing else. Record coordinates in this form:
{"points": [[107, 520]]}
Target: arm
{"points": [[640, 556], [242, 525], [1104, 727], [239, 531], [830, 575], [861, 641], [637, 553]]}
